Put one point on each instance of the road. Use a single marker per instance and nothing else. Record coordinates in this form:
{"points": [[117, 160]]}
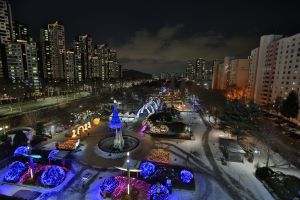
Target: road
{"points": [[286, 146], [23, 107]]}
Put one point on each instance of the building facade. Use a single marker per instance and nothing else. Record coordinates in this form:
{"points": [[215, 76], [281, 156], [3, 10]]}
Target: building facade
{"points": [[69, 66], [53, 47], [6, 26], [265, 41], [20, 32], [83, 52], [286, 72], [5, 32], [22, 65], [238, 73], [252, 73]]}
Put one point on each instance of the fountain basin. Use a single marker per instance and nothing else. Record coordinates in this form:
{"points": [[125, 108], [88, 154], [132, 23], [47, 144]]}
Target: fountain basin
{"points": [[107, 150]]}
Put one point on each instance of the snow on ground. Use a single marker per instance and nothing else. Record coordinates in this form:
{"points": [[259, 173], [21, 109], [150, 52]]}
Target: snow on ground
{"points": [[198, 128], [50, 146], [205, 189], [11, 189], [241, 172], [77, 189], [94, 188]]}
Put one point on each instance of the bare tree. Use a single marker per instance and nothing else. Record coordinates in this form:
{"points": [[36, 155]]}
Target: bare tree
{"points": [[266, 131]]}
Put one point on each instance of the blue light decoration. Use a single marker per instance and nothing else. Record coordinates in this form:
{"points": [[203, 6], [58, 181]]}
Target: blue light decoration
{"points": [[15, 170], [109, 185], [147, 169], [21, 150], [159, 192], [186, 176], [53, 176], [115, 122], [52, 153]]}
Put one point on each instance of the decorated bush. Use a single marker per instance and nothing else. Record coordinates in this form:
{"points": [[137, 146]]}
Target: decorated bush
{"points": [[186, 176], [147, 169], [21, 150], [159, 192], [109, 185], [15, 170], [53, 176]]}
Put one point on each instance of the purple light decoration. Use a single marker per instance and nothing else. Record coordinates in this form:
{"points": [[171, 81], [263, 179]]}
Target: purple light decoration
{"points": [[21, 150], [115, 122], [143, 130], [26, 175], [159, 192], [186, 176], [53, 176], [109, 185], [38, 168], [15, 170], [147, 169], [142, 186]]}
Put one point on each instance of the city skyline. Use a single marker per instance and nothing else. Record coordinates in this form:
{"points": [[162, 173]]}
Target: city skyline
{"points": [[157, 100], [160, 37]]}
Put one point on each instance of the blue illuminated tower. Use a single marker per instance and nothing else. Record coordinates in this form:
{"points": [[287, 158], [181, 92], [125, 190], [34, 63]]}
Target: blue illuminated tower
{"points": [[115, 122]]}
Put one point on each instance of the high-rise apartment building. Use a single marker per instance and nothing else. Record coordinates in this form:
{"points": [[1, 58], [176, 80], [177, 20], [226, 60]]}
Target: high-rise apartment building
{"points": [[277, 73], [287, 67], [252, 73], [69, 65], [53, 47], [5, 22], [20, 31], [83, 50], [200, 70], [110, 69], [5, 31], [268, 73], [215, 79], [96, 67], [220, 74], [22, 65], [232, 72], [238, 73], [189, 71], [265, 41]]}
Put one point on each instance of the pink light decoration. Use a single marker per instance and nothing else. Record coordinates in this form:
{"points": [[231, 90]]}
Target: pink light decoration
{"points": [[26, 174], [142, 186], [38, 168], [143, 129]]}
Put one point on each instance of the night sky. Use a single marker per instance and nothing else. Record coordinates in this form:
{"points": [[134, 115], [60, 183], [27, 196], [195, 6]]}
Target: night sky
{"points": [[161, 36]]}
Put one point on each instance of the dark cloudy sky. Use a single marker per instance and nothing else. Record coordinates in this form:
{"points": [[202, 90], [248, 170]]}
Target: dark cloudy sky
{"points": [[163, 35]]}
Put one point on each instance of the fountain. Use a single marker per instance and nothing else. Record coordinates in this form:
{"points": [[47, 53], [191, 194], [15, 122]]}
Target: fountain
{"points": [[115, 123], [117, 146]]}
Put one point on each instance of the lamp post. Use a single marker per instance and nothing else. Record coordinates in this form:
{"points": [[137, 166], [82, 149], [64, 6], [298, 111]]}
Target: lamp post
{"points": [[128, 170]]}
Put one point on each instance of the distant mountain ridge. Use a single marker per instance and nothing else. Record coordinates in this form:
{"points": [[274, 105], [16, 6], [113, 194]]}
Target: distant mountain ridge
{"points": [[134, 74]]}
